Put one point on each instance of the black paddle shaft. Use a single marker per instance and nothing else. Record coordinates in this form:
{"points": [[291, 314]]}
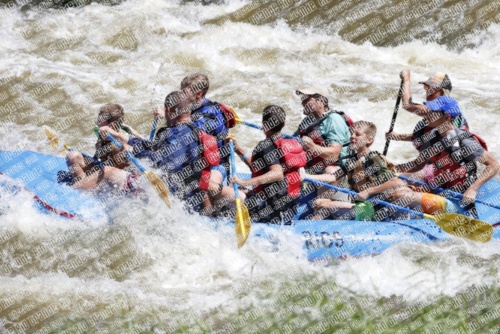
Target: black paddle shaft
{"points": [[394, 115]]}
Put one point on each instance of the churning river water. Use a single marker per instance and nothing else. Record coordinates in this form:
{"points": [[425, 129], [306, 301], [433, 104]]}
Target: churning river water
{"points": [[160, 271]]}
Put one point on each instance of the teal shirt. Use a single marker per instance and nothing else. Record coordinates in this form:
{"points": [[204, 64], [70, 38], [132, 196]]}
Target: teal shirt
{"points": [[335, 129]]}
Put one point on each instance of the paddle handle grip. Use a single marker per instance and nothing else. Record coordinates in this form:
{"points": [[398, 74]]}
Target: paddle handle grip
{"points": [[153, 129], [374, 200], [83, 154], [258, 127], [233, 167], [129, 155], [394, 116]]}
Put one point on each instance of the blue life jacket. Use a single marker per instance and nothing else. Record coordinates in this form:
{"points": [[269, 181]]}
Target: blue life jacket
{"points": [[209, 117], [176, 151]]}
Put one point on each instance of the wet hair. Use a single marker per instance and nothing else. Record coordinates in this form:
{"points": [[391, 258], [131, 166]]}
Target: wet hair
{"points": [[196, 82], [172, 99], [273, 117], [368, 127], [111, 113]]}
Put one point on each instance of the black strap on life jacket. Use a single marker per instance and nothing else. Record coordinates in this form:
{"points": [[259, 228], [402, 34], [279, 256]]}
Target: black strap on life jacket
{"points": [[317, 123], [369, 161]]}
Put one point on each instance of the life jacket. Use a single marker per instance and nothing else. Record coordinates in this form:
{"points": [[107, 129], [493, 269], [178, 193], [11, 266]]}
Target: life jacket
{"points": [[418, 134], [219, 129], [313, 131], [209, 155], [420, 131], [348, 120], [449, 170], [291, 157], [362, 173], [205, 155], [229, 115], [480, 141]]}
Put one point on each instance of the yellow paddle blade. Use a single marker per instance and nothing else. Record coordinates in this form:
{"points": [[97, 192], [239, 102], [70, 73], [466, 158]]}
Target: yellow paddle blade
{"points": [[53, 139], [159, 186], [463, 226], [242, 223], [237, 118]]}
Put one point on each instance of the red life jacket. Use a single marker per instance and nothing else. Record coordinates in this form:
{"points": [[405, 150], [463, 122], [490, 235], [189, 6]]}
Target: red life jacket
{"points": [[348, 120], [229, 116], [480, 141], [209, 155], [418, 140], [291, 157], [448, 172]]}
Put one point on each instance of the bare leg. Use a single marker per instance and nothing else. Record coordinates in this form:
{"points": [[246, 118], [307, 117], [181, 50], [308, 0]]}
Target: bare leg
{"points": [[323, 207], [89, 179], [326, 197], [425, 202], [219, 196]]}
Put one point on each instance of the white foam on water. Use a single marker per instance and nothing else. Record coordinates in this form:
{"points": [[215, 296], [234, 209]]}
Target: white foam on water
{"points": [[420, 271]]}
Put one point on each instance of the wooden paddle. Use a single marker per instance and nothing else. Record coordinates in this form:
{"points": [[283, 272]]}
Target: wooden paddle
{"points": [[54, 142], [156, 181], [439, 189], [242, 221], [53, 139], [394, 116], [452, 223]]}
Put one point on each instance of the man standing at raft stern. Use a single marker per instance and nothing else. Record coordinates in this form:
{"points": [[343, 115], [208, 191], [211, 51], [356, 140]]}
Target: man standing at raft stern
{"points": [[274, 164], [452, 153], [437, 86]]}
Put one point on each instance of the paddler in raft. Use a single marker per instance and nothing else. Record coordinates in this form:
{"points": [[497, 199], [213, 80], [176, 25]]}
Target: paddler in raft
{"points": [[274, 164], [367, 173], [108, 162], [324, 132], [184, 153], [325, 136], [213, 117], [452, 153], [437, 88]]}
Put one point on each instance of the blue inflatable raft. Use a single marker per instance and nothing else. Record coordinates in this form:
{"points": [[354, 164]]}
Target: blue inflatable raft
{"points": [[321, 239]]}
